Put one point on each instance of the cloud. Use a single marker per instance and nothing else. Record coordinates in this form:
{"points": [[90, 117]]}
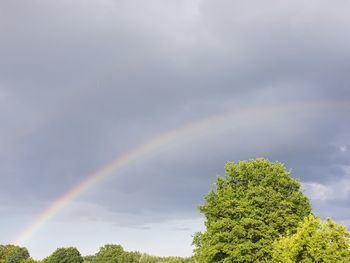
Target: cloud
{"points": [[336, 190], [82, 82], [317, 191]]}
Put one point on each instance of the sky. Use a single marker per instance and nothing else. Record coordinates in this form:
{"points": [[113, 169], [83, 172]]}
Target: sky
{"points": [[83, 82]]}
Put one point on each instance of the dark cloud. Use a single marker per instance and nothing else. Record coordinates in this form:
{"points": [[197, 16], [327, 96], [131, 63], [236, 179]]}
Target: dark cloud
{"points": [[83, 82]]}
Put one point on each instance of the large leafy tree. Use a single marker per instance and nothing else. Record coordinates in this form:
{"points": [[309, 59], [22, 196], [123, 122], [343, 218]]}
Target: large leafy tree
{"points": [[314, 241], [13, 254], [65, 255], [255, 203]]}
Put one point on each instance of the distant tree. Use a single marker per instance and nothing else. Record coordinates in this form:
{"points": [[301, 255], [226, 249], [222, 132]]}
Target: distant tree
{"points": [[255, 203], [116, 254], [13, 254], [177, 260], [65, 255], [88, 259], [109, 253], [130, 257], [145, 258], [314, 241], [31, 260]]}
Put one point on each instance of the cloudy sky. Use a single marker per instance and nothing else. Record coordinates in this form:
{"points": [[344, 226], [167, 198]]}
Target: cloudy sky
{"points": [[83, 82]]}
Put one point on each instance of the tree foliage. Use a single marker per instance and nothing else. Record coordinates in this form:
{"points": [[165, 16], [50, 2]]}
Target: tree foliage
{"points": [[31, 260], [255, 203], [65, 255], [12, 254], [113, 253], [314, 241], [145, 258], [109, 253]]}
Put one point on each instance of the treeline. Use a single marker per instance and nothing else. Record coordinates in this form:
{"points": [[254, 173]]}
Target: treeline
{"points": [[110, 253]]}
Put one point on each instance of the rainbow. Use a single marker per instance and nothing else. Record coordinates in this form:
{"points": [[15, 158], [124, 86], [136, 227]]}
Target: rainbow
{"points": [[156, 143]]}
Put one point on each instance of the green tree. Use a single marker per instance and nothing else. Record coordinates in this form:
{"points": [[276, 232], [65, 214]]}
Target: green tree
{"points": [[31, 260], [65, 255], [145, 258], [13, 254], [89, 259], [255, 203], [314, 241], [110, 253], [130, 257], [177, 260]]}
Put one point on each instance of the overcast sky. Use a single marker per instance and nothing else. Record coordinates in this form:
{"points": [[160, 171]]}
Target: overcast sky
{"points": [[84, 81]]}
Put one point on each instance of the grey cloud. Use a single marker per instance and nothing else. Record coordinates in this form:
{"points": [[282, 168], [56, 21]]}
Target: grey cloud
{"points": [[83, 82]]}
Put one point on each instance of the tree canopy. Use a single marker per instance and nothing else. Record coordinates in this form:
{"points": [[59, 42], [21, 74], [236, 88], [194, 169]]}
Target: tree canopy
{"points": [[65, 255], [255, 203], [12, 254], [109, 253], [112, 253], [314, 241], [31, 260]]}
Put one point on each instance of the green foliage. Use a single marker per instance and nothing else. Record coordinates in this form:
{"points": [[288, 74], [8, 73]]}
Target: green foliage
{"points": [[116, 254], [109, 254], [130, 257], [255, 203], [314, 241], [88, 259], [31, 260], [13, 254], [112, 253], [145, 258], [177, 260], [65, 255]]}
